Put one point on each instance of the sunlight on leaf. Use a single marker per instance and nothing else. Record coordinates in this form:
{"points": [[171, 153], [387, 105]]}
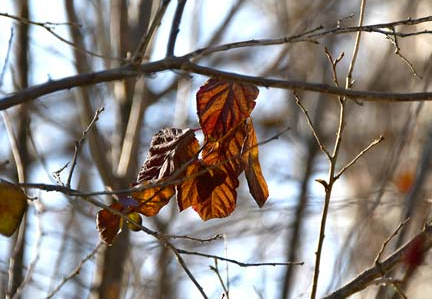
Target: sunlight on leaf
{"points": [[153, 199], [198, 188], [205, 181], [256, 182], [222, 105], [170, 150], [13, 204], [221, 201]]}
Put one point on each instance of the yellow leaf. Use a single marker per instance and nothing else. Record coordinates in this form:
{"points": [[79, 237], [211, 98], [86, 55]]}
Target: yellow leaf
{"points": [[137, 218], [13, 203]]}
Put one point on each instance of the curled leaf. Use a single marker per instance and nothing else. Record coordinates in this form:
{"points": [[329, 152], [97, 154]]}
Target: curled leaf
{"points": [[13, 204], [170, 150], [256, 181], [108, 224]]}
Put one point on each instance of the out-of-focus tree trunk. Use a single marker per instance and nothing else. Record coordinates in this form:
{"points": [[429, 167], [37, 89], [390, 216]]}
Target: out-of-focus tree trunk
{"points": [[22, 67], [113, 258]]}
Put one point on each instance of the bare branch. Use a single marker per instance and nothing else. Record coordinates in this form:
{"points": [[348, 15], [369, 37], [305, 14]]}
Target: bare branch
{"points": [[74, 272], [145, 40], [368, 276], [215, 269], [333, 158], [182, 63], [6, 61], [175, 27], [48, 26], [78, 144], [380, 253], [241, 264], [373, 143], [319, 32], [312, 127], [394, 41]]}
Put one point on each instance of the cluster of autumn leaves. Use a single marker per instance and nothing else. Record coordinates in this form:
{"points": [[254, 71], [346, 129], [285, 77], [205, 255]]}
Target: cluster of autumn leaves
{"points": [[204, 178]]}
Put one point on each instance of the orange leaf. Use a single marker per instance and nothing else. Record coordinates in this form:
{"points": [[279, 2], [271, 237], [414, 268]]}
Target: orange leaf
{"points": [[13, 204], [108, 224], [223, 157], [221, 201], [256, 181], [196, 189], [226, 150], [222, 105], [153, 199]]}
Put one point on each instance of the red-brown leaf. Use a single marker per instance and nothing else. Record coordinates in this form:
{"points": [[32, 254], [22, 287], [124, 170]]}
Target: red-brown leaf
{"points": [[108, 224], [170, 150], [256, 181], [222, 105]]}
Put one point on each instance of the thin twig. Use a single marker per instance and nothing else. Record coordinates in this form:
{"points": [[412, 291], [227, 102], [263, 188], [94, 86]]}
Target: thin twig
{"points": [[371, 145], [241, 264], [384, 245], [398, 53], [146, 38], [369, 275], [175, 27], [311, 125], [6, 61], [207, 240], [37, 250], [215, 269], [74, 272], [328, 186], [48, 26], [334, 63], [56, 174], [79, 143], [318, 32], [14, 146]]}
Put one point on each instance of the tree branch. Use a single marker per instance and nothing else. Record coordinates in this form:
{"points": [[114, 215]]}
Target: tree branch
{"points": [[175, 27], [182, 63], [368, 276]]}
